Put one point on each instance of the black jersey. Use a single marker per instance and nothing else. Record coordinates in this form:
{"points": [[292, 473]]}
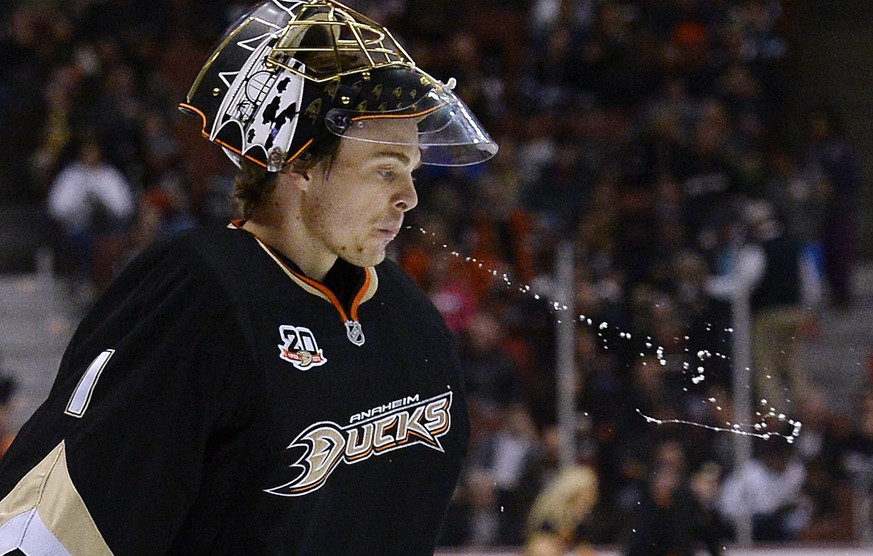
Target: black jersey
{"points": [[217, 401]]}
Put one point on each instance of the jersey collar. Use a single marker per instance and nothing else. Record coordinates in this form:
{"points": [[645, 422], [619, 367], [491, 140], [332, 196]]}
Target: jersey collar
{"points": [[348, 311]]}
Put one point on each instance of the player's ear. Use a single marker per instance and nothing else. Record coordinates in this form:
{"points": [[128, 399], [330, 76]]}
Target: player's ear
{"points": [[297, 175]]}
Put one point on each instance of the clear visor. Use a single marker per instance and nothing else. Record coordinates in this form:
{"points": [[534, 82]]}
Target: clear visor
{"points": [[448, 134]]}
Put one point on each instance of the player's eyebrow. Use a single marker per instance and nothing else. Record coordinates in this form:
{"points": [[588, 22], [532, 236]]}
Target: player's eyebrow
{"points": [[399, 156]]}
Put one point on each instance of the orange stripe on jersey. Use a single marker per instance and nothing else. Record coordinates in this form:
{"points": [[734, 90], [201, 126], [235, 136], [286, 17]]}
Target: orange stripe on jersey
{"points": [[365, 289], [323, 289], [366, 292]]}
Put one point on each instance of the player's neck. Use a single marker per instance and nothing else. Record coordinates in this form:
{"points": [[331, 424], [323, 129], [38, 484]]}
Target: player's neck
{"points": [[277, 221]]}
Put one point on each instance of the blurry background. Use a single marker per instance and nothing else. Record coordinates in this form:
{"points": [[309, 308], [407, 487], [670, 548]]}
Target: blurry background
{"points": [[689, 180]]}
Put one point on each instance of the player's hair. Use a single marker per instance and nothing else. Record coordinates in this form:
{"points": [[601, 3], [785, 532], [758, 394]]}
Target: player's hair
{"points": [[253, 181]]}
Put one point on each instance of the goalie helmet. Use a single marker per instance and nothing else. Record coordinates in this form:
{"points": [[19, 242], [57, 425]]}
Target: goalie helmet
{"points": [[288, 73]]}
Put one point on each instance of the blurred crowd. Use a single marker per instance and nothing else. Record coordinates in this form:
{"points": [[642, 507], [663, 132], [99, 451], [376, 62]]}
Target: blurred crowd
{"points": [[645, 134]]}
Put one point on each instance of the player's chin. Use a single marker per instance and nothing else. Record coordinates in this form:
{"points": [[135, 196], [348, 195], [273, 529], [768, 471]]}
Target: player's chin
{"points": [[367, 256]]}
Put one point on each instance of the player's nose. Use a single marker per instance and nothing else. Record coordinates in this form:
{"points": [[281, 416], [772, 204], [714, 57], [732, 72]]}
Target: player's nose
{"points": [[406, 197]]}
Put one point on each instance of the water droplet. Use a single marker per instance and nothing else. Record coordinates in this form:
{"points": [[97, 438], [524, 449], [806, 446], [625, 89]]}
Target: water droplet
{"points": [[702, 355]]}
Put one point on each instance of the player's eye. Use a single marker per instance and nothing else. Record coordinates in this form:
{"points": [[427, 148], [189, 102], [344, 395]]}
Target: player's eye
{"points": [[387, 174]]}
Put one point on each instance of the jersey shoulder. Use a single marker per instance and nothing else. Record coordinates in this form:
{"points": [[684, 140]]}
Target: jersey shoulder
{"points": [[399, 290], [394, 280], [207, 260]]}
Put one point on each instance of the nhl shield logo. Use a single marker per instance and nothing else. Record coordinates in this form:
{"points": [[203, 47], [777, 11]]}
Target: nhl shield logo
{"points": [[299, 347], [354, 332]]}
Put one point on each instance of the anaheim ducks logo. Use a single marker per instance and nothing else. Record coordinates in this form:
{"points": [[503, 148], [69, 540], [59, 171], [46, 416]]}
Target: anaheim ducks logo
{"points": [[299, 347], [393, 426]]}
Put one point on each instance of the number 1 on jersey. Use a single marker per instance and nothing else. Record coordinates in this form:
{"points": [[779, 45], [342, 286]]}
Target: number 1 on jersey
{"points": [[82, 394]]}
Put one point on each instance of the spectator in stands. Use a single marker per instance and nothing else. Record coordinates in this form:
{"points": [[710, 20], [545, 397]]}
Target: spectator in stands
{"points": [[538, 146], [161, 212], [671, 519], [655, 389], [858, 458], [824, 431], [828, 487], [710, 182], [483, 520], [25, 59], [860, 439], [784, 301], [61, 92], [451, 293], [762, 262], [709, 527], [599, 382], [832, 157], [800, 198], [770, 488], [829, 503], [513, 462], [559, 519], [92, 204], [8, 388], [490, 374]]}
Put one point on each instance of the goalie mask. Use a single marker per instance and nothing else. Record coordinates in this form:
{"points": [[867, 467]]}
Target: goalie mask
{"points": [[290, 72]]}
